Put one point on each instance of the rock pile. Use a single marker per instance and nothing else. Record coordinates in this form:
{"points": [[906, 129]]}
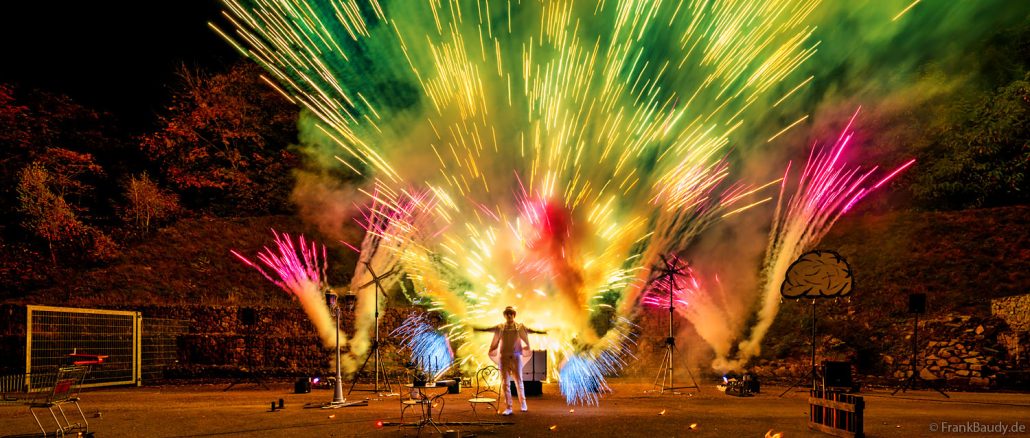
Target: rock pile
{"points": [[965, 351]]}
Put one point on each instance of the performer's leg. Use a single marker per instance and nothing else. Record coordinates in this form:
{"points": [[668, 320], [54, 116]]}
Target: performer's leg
{"points": [[507, 368], [518, 384]]}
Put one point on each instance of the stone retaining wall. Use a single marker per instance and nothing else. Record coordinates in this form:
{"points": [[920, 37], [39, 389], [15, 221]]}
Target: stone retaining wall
{"points": [[1015, 310], [965, 351], [282, 341], [955, 351], [217, 343]]}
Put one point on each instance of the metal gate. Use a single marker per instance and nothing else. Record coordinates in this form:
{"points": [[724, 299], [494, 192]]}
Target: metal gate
{"points": [[161, 345], [55, 332]]}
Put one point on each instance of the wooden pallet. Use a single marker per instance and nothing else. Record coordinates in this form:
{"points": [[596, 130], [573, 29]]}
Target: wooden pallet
{"points": [[836, 413]]}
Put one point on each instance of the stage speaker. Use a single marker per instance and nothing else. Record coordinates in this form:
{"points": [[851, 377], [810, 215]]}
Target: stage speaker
{"points": [[836, 374], [302, 386], [917, 303], [247, 316], [532, 388], [535, 368], [454, 386]]}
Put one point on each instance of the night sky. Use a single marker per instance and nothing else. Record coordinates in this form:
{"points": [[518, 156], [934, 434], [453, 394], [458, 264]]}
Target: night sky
{"points": [[118, 56]]}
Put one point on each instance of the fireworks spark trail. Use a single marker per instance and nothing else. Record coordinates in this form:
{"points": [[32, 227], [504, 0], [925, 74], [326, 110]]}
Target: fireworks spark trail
{"points": [[573, 152], [430, 350], [705, 307], [537, 154], [681, 288], [582, 380], [827, 188], [391, 223], [299, 269], [903, 11], [582, 376]]}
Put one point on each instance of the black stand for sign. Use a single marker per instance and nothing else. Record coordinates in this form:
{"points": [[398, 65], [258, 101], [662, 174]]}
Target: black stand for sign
{"points": [[816, 274], [813, 373]]}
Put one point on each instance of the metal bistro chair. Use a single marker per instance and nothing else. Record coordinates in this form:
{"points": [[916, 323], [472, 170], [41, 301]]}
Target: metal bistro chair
{"points": [[65, 390], [485, 391], [412, 397]]}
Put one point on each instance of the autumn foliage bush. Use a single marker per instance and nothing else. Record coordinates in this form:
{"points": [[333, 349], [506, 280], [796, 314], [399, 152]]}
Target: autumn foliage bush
{"points": [[223, 143]]}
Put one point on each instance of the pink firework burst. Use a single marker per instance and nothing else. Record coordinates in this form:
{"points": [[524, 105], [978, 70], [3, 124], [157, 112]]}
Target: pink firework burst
{"points": [[296, 268], [679, 282]]}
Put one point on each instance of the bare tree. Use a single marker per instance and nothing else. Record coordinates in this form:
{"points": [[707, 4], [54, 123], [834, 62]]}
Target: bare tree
{"points": [[147, 203]]}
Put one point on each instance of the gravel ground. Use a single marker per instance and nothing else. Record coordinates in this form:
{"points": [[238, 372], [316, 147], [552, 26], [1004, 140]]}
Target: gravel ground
{"points": [[208, 411]]}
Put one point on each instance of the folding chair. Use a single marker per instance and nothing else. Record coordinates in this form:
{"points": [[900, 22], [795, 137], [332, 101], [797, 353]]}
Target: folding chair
{"points": [[485, 392], [65, 390]]}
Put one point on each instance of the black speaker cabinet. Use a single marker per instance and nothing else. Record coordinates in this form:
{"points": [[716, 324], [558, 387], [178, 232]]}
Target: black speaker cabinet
{"points": [[837, 374], [302, 386], [917, 303], [454, 387], [532, 387]]}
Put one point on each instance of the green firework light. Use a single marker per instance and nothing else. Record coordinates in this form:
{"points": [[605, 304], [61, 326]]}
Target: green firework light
{"points": [[544, 154]]}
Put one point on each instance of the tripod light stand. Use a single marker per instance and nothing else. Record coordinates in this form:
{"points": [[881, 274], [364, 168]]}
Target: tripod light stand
{"points": [[374, 353], [670, 271], [331, 300]]}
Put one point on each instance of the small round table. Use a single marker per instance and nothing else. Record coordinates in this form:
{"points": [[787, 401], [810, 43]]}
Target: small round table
{"points": [[426, 400]]}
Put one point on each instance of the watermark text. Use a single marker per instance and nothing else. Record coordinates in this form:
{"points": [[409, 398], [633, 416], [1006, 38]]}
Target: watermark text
{"points": [[959, 427]]}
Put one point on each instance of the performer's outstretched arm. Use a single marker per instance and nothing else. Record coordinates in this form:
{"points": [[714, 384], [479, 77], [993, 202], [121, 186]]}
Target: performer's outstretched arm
{"points": [[536, 332], [495, 343]]}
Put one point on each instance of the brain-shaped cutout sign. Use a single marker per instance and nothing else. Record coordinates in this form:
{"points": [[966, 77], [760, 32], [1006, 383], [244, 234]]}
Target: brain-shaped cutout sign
{"points": [[817, 274]]}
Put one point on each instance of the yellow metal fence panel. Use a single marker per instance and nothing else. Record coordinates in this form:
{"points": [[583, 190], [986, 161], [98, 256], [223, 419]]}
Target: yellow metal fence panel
{"points": [[56, 332]]}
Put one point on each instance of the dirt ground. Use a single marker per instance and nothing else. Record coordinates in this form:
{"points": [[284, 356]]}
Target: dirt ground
{"points": [[208, 411]]}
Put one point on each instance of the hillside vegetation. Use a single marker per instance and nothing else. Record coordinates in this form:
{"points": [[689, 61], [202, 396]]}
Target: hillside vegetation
{"points": [[959, 259]]}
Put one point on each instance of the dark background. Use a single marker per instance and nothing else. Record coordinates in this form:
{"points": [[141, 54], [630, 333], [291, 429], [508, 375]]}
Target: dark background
{"points": [[115, 56]]}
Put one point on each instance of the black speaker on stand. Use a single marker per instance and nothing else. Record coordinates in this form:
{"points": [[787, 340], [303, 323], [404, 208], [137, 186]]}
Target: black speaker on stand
{"points": [[916, 306]]}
